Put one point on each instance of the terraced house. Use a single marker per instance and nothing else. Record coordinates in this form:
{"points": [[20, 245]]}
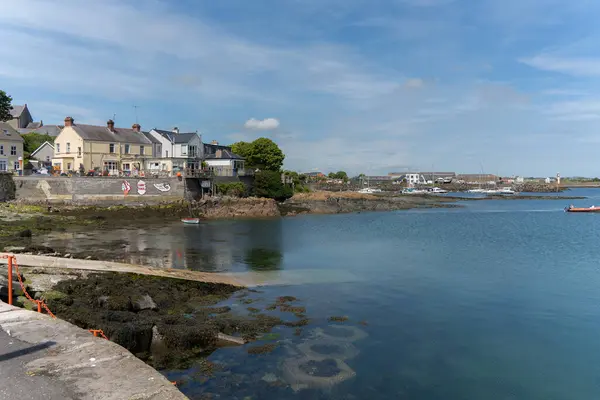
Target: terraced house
{"points": [[11, 148], [81, 147]]}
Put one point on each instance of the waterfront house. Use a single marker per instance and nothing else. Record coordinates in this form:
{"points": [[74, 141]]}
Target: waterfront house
{"points": [[21, 117], [222, 161], [104, 148], [44, 153], [178, 151], [11, 148]]}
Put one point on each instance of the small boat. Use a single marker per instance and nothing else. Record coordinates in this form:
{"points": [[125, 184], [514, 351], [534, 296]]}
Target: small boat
{"points": [[369, 191], [190, 220], [506, 190], [413, 191], [582, 209], [437, 190], [476, 190]]}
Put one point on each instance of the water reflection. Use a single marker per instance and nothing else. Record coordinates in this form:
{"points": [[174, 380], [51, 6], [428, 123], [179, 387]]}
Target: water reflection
{"points": [[220, 246]]}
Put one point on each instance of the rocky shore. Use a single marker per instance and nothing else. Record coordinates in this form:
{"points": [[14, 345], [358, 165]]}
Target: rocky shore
{"points": [[349, 202], [168, 323]]}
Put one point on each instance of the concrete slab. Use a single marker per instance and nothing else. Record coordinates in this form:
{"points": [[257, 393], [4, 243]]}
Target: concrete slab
{"points": [[75, 364]]}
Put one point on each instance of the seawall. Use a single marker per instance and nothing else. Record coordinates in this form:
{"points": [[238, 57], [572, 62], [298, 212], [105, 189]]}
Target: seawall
{"points": [[98, 190], [91, 368]]}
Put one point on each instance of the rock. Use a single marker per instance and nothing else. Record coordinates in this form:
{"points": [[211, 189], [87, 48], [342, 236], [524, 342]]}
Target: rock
{"points": [[25, 233], [14, 249], [144, 302]]}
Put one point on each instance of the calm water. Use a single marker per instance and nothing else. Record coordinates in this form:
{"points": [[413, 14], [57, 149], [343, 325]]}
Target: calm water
{"points": [[498, 300]]}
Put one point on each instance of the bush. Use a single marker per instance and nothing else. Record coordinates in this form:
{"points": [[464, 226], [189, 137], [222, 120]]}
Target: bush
{"points": [[237, 189], [268, 184]]}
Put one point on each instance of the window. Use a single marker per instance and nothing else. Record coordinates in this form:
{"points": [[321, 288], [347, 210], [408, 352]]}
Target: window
{"points": [[68, 147], [167, 153], [183, 149], [13, 150], [141, 150], [69, 167], [158, 149], [57, 147], [126, 167], [5, 131], [2, 150], [111, 167], [3, 165], [16, 165], [111, 148], [193, 151], [79, 152], [47, 158], [127, 149]]}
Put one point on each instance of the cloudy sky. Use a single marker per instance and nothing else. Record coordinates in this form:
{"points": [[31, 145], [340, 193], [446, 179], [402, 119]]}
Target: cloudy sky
{"points": [[366, 86]]}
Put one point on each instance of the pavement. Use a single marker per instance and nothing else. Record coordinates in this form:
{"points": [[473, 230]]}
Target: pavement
{"points": [[16, 382], [46, 358]]}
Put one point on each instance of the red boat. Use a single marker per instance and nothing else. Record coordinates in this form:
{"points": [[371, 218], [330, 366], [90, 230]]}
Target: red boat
{"points": [[582, 209]]}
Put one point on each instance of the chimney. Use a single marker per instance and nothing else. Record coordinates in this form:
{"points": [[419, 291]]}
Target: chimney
{"points": [[214, 142], [219, 153], [110, 124], [175, 130], [136, 127], [69, 121]]}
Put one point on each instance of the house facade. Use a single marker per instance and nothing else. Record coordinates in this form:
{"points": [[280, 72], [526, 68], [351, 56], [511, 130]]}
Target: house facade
{"points": [[44, 153], [11, 149], [21, 117], [178, 151], [102, 148], [222, 161]]}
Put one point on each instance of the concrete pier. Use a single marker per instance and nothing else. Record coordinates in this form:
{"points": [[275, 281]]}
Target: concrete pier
{"points": [[46, 358]]}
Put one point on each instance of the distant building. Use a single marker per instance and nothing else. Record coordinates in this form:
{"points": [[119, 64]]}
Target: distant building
{"points": [[44, 153], [50, 130], [313, 174], [222, 161], [21, 117], [11, 148], [479, 178]]}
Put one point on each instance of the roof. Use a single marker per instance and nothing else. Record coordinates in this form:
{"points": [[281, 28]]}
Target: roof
{"points": [[51, 130], [225, 154], [17, 111], [102, 134], [33, 125], [176, 137], [11, 133], [41, 147], [151, 138]]}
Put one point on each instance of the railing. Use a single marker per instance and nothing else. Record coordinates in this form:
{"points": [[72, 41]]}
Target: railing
{"points": [[12, 263], [226, 171]]}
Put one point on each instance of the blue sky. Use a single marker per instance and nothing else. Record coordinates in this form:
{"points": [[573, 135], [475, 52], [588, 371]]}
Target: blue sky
{"points": [[365, 86]]}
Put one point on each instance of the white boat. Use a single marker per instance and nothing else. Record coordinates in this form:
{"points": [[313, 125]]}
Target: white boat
{"points": [[491, 191], [506, 190], [369, 190], [437, 190], [479, 190], [190, 220], [413, 191]]}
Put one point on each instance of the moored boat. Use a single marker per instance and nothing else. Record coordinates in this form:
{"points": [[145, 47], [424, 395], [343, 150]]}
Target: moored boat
{"points": [[190, 220], [582, 209]]}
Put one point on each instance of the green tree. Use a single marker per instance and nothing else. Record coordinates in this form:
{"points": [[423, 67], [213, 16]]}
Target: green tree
{"points": [[265, 155], [268, 184], [341, 175], [5, 106], [33, 140], [242, 149]]}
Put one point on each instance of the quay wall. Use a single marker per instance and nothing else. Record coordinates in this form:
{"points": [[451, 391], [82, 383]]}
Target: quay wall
{"points": [[101, 190]]}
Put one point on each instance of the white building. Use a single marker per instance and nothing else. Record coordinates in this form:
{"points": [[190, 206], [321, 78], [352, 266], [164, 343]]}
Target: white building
{"points": [[178, 151], [222, 161]]}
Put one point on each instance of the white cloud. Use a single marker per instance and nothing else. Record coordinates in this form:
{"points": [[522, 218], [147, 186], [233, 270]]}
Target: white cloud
{"points": [[262, 125], [575, 66], [414, 83]]}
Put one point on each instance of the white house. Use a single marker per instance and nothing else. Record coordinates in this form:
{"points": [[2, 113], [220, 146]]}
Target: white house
{"points": [[222, 161], [177, 150], [44, 153]]}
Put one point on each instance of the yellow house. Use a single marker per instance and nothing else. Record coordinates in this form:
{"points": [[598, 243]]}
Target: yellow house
{"points": [[81, 147], [11, 149]]}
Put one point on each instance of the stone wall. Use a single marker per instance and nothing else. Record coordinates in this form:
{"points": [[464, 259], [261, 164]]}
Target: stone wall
{"points": [[95, 190], [7, 187]]}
